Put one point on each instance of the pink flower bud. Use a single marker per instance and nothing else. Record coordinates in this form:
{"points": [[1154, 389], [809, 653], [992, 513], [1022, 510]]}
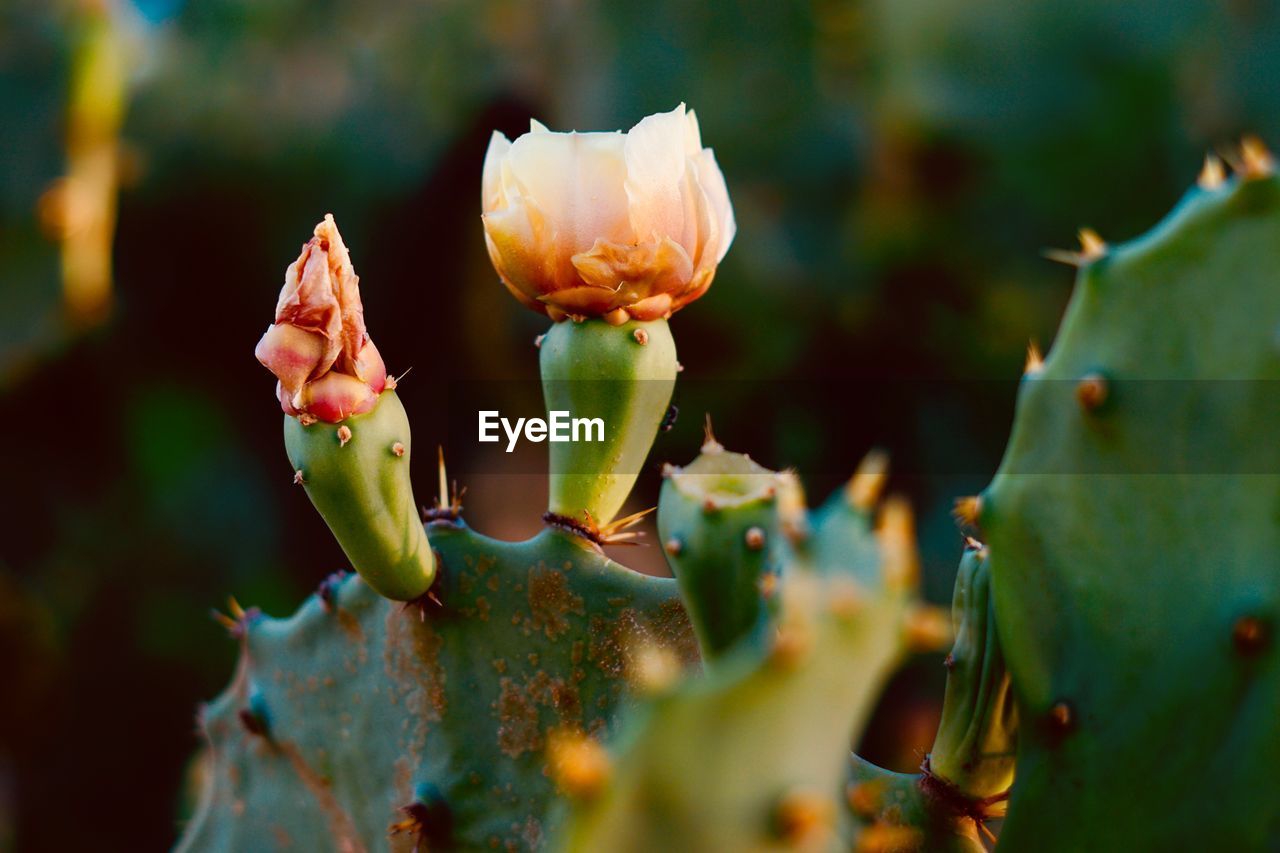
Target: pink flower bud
{"points": [[318, 346]]}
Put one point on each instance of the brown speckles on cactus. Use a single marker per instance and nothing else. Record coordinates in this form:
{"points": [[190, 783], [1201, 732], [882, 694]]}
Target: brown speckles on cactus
{"points": [[551, 602]]}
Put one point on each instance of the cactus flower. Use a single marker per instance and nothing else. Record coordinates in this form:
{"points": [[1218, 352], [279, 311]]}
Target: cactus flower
{"points": [[614, 225], [318, 347]]}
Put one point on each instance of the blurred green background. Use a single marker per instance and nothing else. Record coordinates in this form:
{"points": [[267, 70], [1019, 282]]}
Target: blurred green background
{"points": [[896, 167]]}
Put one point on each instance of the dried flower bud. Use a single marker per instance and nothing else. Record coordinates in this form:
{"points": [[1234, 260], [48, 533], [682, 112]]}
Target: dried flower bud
{"points": [[318, 346]]}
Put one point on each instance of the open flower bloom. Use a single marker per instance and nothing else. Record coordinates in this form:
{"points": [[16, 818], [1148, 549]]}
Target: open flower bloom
{"points": [[318, 346], [614, 225]]}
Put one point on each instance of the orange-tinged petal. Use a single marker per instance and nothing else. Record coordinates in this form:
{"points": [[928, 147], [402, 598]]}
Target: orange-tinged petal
{"points": [[294, 355]]}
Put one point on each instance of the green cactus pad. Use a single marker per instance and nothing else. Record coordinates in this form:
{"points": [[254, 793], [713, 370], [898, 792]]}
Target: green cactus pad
{"points": [[356, 472], [374, 707], [751, 756], [1135, 545], [718, 522]]}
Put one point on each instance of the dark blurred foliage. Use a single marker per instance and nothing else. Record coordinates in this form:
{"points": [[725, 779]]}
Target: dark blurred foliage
{"points": [[896, 168]]}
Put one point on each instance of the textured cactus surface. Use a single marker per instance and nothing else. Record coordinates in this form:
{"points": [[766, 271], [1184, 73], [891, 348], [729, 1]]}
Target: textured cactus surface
{"points": [[342, 715], [753, 756], [1134, 534]]}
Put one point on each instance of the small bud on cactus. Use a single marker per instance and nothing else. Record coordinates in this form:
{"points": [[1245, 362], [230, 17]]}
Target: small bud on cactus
{"points": [[318, 346], [614, 225]]}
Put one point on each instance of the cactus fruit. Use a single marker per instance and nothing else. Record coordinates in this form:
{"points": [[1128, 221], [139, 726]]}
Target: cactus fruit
{"points": [[356, 473], [622, 375], [1134, 540]]}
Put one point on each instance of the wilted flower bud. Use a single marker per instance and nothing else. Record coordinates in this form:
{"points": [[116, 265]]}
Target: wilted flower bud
{"points": [[607, 225], [318, 347]]}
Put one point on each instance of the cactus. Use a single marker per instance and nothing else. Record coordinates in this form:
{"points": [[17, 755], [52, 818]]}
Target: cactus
{"points": [[1134, 539], [462, 692]]}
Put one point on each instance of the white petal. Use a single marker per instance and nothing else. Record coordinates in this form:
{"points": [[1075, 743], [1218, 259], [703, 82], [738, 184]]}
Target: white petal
{"points": [[655, 165], [491, 195], [576, 180], [712, 181], [693, 135], [536, 126]]}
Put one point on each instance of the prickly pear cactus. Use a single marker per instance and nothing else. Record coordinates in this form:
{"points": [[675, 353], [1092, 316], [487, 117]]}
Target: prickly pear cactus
{"points": [[1134, 536], [1114, 666]]}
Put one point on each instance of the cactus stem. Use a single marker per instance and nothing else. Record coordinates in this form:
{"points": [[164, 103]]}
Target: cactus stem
{"points": [[298, 479], [641, 336], [1212, 175], [1250, 635], [1092, 391], [344, 435]]}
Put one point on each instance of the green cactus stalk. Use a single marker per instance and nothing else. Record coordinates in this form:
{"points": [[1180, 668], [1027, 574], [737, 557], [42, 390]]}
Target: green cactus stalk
{"points": [[356, 473], [718, 520], [622, 375]]}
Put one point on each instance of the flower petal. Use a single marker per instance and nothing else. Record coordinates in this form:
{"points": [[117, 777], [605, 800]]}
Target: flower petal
{"points": [[491, 194], [655, 160]]}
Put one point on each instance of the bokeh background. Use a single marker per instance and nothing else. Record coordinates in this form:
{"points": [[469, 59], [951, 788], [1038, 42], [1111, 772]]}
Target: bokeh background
{"points": [[897, 167]]}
